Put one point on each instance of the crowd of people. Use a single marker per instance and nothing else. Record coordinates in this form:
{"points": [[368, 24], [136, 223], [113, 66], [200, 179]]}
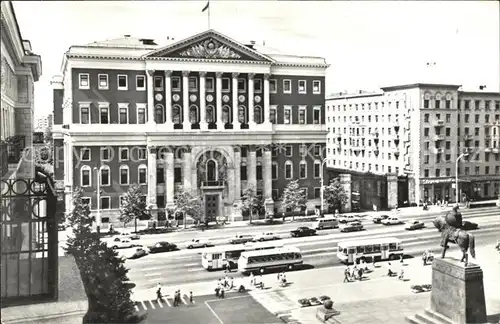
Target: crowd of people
{"points": [[177, 296]]}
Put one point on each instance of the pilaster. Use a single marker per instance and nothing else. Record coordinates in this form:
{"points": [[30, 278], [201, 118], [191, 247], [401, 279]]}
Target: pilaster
{"points": [[203, 118], [168, 100], [218, 99], [392, 191], [230, 183], [152, 180], [151, 100], [234, 89], [251, 121], [169, 183], [268, 183], [251, 168], [186, 125], [237, 174], [186, 159], [266, 111], [345, 181]]}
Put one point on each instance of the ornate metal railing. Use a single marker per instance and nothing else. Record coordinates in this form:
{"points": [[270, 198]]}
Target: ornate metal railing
{"points": [[218, 183]]}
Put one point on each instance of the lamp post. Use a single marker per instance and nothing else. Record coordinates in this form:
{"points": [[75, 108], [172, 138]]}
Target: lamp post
{"points": [[322, 189], [456, 176], [98, 214]]}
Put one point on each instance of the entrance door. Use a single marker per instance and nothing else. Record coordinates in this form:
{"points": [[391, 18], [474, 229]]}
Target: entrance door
{"points": [[211, 207]]}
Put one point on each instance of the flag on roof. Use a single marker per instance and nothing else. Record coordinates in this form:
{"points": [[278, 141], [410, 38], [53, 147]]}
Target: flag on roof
{"points": [[206, 6]]}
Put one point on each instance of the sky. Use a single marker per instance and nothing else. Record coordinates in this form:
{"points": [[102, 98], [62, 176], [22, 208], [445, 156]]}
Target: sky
{"points": [[368, 44]]}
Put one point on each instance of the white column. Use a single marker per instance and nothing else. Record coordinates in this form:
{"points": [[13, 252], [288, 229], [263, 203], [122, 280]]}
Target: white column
{"points": [[151, 99], [186, 125], [237, 174], [152, 176], [234, 89], [168, 100], [186, 159], [251, 122], [267, 174], [218, 99], [230, 180], [169, 182], [267, 108], [194, 181], [203, 118], [251, 169]]}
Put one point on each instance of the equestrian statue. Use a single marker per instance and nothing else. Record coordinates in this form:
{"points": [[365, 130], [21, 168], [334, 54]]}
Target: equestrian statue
{"points": [[452, 231]]}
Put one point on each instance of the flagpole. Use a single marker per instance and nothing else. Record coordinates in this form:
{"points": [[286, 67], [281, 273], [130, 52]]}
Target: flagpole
{"points": [[208, 14]]}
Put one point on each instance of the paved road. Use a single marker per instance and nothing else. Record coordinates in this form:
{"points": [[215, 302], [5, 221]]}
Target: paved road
{"points": [[184, 266]]}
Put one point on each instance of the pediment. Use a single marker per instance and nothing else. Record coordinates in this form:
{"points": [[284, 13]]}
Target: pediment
{"points": [[209, 45]]}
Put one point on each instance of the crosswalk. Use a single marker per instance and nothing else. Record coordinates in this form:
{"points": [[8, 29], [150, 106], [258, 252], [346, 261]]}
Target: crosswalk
{"points": [[165, 301], [274, 301]]}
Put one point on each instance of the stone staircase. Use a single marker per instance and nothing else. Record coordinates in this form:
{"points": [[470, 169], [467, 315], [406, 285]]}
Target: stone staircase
{"points": [[428, 317]]}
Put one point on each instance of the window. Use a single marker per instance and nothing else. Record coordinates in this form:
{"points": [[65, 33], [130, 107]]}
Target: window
{"points": [[104, 113], [476, 118], [426, 103], [272, 115], [141, 113], [105, 154], [476, 170], [288, 150], [142, 153], [303, 169], [302, 87], [476, 131], [140, 82], [159, 114], [317, 192], [124, 156], [426, 159], [257, 115], [288, 115], [242, 114], [103, 82], [273, 86], [158, 82], [84, 113], [426, 173], [317, 150], [466, 104], [160, 175], [437, 104], [288, 170], [124, 175], [259, 171], [226, 84], [317, 115], [316, 87], [177, 175], [275, 194], [123, 113], [227, 114], [122, 82], [486, 170], [105, 203], [317, 169], [476, 104], [85, 178], [84, 81], [242, 85], [193, 84], [426, 118], [243, 171], [209, 85], [176, 83], [448, 104], [448, 131], [105, 176], [438, 173], [486, 118], [85, 154], [302, 115], [142, 174], [274, 171], [448, 145], [86, 201], [257, 85], [287, 86], [426, 132]]}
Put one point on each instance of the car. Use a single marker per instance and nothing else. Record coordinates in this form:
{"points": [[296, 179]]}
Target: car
{"points": [[266, 236], [162, 247], [139, 253], [393, 220], [349, 218], [197, 243], [466, 225], [325, 222], [352, 227], [303, 231], [379, 218], [414, 224], [241, 239], [130, 236], [121, 243]]}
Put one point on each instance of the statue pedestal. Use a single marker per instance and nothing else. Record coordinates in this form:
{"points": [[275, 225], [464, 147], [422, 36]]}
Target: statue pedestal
{"points": [[457, 294], [236, 215], [324, 314]]}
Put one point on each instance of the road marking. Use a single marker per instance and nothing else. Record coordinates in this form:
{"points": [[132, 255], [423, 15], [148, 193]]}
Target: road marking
{"points": [[191, 264], [144, 305], [160, 303], [182, 298], [193, 270], [152, 274], [168, 303], [152, 306], [215, 314], [136, 308]]}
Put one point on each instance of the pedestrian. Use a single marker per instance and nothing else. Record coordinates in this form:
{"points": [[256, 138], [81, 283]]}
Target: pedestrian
{"points": [[373, 262], [252, 279], [231, 280], [346, 274], [226, 281], [389, 270], [158, 292], [175, 298], [401, 259], [360, 273], [401, 274], [279, 277], [221, 293], [424, 258], [217, 291], [178, 297], [190, 297]]}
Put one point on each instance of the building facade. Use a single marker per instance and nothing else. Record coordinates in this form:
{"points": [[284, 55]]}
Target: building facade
{"points": [[417, 132], [207, 113]]}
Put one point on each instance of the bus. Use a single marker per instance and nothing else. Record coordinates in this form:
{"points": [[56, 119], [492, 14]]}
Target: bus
{"points": [[217, 258], [261, 260], [387, 248]]}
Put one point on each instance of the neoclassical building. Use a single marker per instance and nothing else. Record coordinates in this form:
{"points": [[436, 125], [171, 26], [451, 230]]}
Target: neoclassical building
{"points": [[207, 113]]}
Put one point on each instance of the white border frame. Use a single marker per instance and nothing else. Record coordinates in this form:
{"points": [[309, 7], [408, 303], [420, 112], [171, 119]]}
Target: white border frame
{"points": [[85, 168], [303, 162], [137, 77], [229, 85], [123, 167], [290, 163], [319, 87], [317, 162], [285, 91], [141, 106], [120, 150], [100, 203], [125, 88], [178, 79], [275, 86], [195, 89], [83, 149], [81, 106], [289, 109], [275, 109], [302, 108], [105, 167], [291, 150], [103, 105], [258, 81], [139, 168], [122, 105], [162, 87], [212, 89], [99, 82], [305, 87], [80, 86], [317, 108]]}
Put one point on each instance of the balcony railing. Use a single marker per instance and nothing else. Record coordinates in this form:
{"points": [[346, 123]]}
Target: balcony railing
{"points": [[215, 183], [439, 123], [468, 137], [439, 137], [488, 149], [439, 150], [496, 150]]}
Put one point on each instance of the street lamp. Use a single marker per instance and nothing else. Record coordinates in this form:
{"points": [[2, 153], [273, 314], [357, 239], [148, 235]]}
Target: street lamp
{"points": [[98, 215], [456, 175], [322, 189]]}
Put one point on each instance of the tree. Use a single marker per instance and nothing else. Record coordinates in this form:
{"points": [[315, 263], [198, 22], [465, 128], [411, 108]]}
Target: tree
{"points": [[293, 197], [335, 195], [251, 201], [103, 273], [187, 204], [133, 206]]}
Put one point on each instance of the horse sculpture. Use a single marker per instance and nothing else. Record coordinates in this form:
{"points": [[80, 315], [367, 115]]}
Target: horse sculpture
{"points": [[451, 230]]}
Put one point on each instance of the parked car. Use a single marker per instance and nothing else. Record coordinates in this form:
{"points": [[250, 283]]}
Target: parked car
{"points": [[121, 243], [139, 253], [241, 239], [325, 222], [414, 224], [130, 236], [349, 218], [377, 219], [267, 236], [351, 227], [393, 220], [162, 247], [197, 243], [466, 225], [303, 231]]}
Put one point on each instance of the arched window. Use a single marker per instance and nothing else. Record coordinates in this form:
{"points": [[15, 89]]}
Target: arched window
{"points": [[210, 117], [193, 114], [226, 114], [274, 171], [124, 175], [242, 114], [288, 170], [142, 174], [259, 170], [303, 169], [211, 170], [105, 176], [317, 169], [85, 176], [177, 114], [159, 118], [257, 114]]}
